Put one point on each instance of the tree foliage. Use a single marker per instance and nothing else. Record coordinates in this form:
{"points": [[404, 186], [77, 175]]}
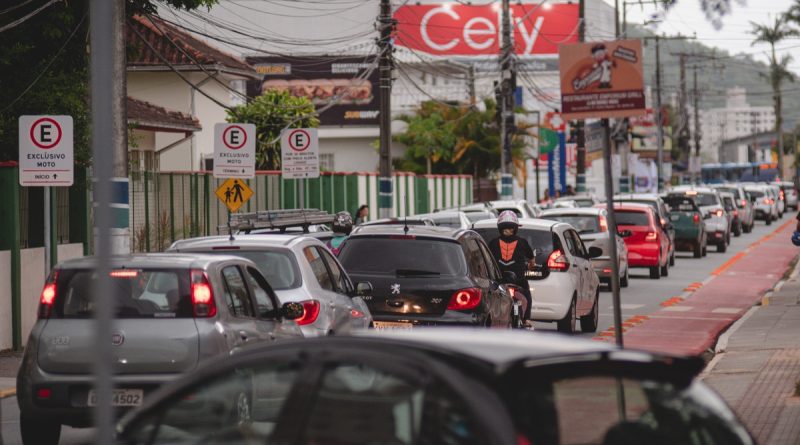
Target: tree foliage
{"points": [[270, 113], [457, 139]]}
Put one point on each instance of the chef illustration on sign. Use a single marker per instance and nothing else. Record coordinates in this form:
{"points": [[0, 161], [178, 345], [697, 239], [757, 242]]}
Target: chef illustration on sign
{"points": [[604, 63]]}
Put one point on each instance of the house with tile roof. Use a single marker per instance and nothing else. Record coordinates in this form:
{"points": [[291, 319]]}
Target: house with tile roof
{"points": [[178, 88]]}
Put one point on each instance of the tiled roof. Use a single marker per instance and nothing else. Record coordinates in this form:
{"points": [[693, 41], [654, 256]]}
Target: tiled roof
{"points": [[148, 116], [161, 35]]}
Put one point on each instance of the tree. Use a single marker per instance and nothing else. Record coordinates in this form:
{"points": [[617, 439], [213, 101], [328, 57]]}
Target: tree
{"points": [[778, 69], [272, 112]]}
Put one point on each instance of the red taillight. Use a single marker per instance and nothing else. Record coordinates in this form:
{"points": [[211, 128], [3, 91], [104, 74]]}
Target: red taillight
{"points": [[735, 213], [355, 313], [743, 203], [603, 224], [465, 299], [719, 213], [203, 304], [123, 273], [651, 236], [557, 261], [48, 296], [310, 312], [781, 195], [512, 291], [696, 218], [44, 393]]}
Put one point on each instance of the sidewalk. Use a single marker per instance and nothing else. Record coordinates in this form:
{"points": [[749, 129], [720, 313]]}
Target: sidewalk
{"points": [[757, 366]]}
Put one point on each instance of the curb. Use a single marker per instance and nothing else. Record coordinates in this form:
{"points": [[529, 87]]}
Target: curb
{"points": [[7, 392]]}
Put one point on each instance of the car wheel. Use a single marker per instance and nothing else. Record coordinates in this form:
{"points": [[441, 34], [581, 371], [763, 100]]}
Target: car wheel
{"points": [[722, 247], [705, 249], [623, 282], [567, 324], [665, 270], [38, 431], [698, 250], [589, 321], [655, 272], [769, 220], [672, 259], [747, 228]]}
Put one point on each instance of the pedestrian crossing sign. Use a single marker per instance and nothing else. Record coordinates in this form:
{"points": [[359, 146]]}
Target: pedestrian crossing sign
{"points": [[234, 193]]}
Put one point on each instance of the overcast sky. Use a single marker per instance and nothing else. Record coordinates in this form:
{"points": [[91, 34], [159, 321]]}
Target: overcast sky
{"points": [[687, 17]]}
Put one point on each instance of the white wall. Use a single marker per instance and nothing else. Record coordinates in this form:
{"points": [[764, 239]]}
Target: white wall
{"points": [[5, 300]]}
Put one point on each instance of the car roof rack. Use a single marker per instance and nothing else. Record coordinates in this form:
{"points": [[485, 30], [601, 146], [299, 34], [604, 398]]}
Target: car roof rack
{"points": [[277, 219]]}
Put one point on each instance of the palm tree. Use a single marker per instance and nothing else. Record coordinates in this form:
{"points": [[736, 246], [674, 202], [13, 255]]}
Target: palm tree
{"points": [[778, 69]]}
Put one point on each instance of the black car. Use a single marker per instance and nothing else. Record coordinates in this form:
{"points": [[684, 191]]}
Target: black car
{"points": [[439, 386], [423, 275]]}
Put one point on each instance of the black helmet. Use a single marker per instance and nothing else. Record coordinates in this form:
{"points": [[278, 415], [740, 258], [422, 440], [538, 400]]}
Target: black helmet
{"points": [[343, 223]]}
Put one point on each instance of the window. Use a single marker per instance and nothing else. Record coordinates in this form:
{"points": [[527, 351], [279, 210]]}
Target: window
{"points": [[318, 266], [570, 243], [579, 247], [581, 223], [632, 218], [475, 259], [398, 256], [491, 264], [278, 267], [236, 295], [326, 162], [262, 291], [359, 404], [337, 274]]}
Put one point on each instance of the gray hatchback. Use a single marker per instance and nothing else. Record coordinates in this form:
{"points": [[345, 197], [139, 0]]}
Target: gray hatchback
{"points": [[172, 312]]}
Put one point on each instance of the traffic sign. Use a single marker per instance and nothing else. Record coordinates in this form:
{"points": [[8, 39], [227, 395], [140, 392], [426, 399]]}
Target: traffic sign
{"points": [[234, 193], [46, 151], [299, 153], [234, 151]]}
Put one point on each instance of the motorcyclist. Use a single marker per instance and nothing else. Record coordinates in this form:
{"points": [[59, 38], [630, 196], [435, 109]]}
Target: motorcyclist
{"points": [[342, 226], [514, 254]]}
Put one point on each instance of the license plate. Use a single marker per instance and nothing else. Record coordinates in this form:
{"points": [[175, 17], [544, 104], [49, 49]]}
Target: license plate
{"points": [[391, 325], [121, 397], [534, 273]]}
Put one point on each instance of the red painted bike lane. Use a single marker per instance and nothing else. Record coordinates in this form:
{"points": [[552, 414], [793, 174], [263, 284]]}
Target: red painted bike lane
{"points": [[690, 324]]}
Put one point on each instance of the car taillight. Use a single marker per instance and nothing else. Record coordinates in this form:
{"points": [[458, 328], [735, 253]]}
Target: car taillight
{"points": [[696, 218], [651, 236], [512, 291], [44, 393], [557, 261], [735, 213], [48, 296], [719, 213], [743, 203], [203, 305], [310, 312], [464, 299], [781, 196], [355, 313], [603, 224]]}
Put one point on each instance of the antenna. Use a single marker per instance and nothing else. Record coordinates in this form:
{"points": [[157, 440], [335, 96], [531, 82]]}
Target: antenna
{"points": [[230, 231], [405, 225]]}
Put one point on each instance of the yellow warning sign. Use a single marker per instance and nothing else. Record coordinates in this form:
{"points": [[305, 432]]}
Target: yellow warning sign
{"points": [[234, 193]]}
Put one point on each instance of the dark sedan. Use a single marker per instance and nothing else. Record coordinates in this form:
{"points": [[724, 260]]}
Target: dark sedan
{"points": [[439, 386]]}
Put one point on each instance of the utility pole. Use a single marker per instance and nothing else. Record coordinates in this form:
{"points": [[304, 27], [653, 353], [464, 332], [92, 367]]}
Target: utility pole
{"points": [[659, 120], [683, 123], [471, 84], [697, 132], [507, 86], [580, 127], [385, 193]]}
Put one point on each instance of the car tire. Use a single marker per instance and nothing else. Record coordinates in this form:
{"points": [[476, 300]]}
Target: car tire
{"points": [[769, 220], [38, 431], [705, 249], [589, 321], [748, 228], [722, 247], [672, 259], [567, 324], [655, 272], [698, 250], [665, 270], [738, 230], [625, 280]]}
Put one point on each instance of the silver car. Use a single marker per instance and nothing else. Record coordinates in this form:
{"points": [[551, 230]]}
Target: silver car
{"points": [[716, 219], [592, 227], [448, 218], [301, 269], [519, 206], [763, 202], [744, 207], [172, 313]]}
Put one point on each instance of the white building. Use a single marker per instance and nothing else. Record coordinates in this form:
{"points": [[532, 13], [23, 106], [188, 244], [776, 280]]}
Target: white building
{"points": [[736, 119]]}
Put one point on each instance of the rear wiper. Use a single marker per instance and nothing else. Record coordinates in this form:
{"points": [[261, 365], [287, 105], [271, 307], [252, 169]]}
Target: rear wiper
{"points": [[414, 272]]}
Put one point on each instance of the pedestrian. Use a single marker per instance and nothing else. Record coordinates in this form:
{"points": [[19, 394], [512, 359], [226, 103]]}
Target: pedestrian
{"points": [[796, 234], [362, 214], [514, 254], [570, 191], [342, 226]]}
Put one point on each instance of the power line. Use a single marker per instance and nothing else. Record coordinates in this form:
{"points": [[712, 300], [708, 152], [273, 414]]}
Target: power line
{"points": [[24, 18]]}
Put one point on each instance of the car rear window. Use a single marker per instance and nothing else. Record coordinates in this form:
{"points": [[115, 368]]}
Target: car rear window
{"points": [[707, 199], [680, 204], [731, 190], [539, 240], [632, 218], [138, 293], [278, 267], [581, 223], [447, 221], [402, 256], [755, 193]]}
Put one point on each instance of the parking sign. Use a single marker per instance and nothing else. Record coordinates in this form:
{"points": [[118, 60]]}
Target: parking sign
{"points": [[299, 153], [46, 151], [234, 151]]}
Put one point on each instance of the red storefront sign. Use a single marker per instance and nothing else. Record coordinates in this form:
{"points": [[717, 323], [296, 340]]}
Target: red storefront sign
{"points": [[453, 29]]}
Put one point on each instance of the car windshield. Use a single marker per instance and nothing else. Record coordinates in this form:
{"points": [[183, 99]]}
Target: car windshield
{"points": [[581, 223], [138, 293], [388, 255], [632, 218], [278, 267], [539, 240]]}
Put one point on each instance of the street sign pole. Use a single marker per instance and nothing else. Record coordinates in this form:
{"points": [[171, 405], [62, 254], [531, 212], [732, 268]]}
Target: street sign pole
{"points": [[612, 232], [47, 229]]}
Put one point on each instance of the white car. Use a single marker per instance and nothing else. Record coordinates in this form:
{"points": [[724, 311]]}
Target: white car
{"points": [[564, 287], [779, 201], [765, 206], [790, 194], [300, 269]]}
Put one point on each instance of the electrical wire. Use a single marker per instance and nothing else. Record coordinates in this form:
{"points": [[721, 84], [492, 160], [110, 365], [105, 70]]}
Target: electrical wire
{"points": [[24, 18]]}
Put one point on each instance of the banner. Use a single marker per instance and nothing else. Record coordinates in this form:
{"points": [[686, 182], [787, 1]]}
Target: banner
{"points": [[601, 79], [557, 168], [346, 87], [465, 30]]}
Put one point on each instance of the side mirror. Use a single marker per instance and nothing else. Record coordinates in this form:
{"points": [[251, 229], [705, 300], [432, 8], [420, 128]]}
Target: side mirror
{"points": [[595, 252], [292, 311], [363, 289], [509, 277], [625, 233]]}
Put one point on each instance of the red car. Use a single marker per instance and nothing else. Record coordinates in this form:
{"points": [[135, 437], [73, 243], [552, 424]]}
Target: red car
{"points": [[647, 245]]}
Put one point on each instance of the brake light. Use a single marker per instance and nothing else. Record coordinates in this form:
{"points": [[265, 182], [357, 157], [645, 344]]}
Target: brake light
{"points": [[696, 218], [719, 212], [310, 312], [766, 201], [44, 393], [203, 305], [402, 236], [48, 296], [464, 299], [355, 313], [124, 273], [651, 236], [735, 213], [743, 203], [558, 261], [781, 195], [603, 224]]}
